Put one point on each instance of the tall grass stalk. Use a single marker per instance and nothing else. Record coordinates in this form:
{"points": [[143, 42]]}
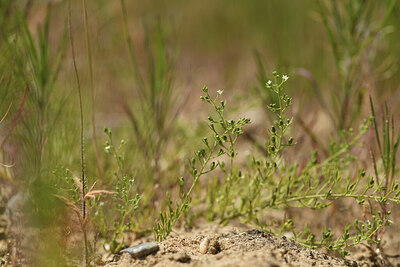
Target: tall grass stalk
{"points": [[93, 117], [83, 183]]}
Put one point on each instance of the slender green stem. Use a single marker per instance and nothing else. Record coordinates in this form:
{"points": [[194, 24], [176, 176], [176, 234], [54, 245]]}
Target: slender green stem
{"points": [[81, 133], [93, 117], [195, 180], [335, 195]]}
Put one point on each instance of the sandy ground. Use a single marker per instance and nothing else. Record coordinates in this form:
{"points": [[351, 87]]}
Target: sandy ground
{"points": [[230, 246]]}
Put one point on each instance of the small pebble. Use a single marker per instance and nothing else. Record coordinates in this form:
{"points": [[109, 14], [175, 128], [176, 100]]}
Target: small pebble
{"points": [[204, 245], [142, 249], [209, 246]]}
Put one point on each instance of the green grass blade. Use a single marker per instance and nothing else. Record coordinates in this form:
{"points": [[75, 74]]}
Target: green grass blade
{"points": [[394, 152], [386, 140], [130, 46], [378, 139]]}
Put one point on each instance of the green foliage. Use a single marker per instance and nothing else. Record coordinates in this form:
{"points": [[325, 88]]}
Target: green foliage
{"points": [[36, 126], [4, 9], [225, 135], [317, 186], [78, 197], [353, 27], [272, 183], [125, 200], [37, 65], [29, 64], [387, 148], [357, 32], [154, 112]]}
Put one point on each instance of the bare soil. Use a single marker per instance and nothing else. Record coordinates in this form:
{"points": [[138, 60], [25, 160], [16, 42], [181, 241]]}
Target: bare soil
{"points": [[231, 246]]}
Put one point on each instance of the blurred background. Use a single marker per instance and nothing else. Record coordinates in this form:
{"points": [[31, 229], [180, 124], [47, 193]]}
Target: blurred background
{"points": [[148, 63]]}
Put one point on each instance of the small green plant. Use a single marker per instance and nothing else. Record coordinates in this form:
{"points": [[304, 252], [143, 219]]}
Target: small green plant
{"points": [[387, 148], [225, 135], [74, 194], [319, 184], [273, 183], [125, 200], [277, 142], [237, 180]]}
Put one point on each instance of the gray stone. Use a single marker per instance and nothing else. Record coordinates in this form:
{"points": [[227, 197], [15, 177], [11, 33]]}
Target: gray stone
{"points": [[142, 249]]}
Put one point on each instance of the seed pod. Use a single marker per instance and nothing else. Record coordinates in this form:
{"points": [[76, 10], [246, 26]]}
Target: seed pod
{"points": [[290, 141]]}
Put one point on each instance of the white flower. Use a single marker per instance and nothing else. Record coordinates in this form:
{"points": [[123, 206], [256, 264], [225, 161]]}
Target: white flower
{"points": [[284, 78], [269, 83], [219, 92], [107, 247]]}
